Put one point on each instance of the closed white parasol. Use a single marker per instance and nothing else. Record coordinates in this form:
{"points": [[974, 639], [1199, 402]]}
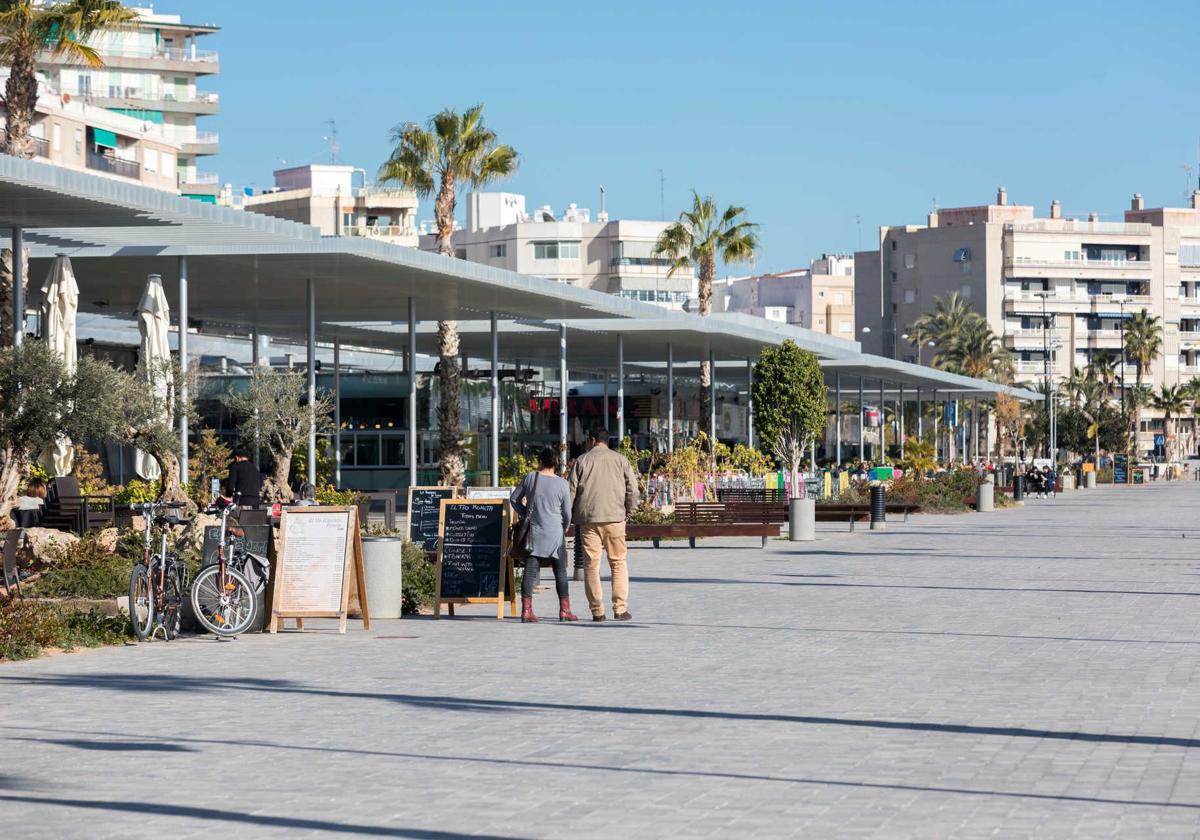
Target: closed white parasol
{"points": [[154, 323], [61, 295]]}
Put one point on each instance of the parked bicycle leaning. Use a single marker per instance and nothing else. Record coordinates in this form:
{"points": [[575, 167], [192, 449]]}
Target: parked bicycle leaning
{"points": [[158, 583], [224, 593]]}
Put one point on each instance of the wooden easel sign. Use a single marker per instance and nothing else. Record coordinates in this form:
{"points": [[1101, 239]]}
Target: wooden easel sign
{"points": [[424, 511], [473, 566], [319, 564]]}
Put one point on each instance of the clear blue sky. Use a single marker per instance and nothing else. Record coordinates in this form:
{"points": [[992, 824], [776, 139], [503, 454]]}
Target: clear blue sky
{"points": [[809, 115]]}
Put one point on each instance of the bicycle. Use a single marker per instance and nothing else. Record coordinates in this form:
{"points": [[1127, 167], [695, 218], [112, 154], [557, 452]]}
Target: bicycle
{"points": [[222, 595], [157, 584]]}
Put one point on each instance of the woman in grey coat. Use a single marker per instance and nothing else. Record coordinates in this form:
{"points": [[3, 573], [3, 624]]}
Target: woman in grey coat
{"points": [[546, 500]]}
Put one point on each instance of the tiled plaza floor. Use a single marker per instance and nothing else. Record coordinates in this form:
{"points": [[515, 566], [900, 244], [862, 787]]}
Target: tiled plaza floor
{"points": [[1025, 673]]}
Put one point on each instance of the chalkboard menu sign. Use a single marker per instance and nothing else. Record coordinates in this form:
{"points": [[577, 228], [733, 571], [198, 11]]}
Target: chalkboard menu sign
{"points": [[473, 566], [1139, 477], [424, 508], [1120, 469], [257, 541]]}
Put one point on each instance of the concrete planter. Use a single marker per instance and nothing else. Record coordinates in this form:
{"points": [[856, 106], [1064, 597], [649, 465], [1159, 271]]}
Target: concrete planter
{"points": [[802, 520], [1090, 481], [382, 559]]}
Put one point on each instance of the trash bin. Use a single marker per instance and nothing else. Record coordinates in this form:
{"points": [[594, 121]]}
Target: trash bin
{"points": [[1018, 486], [985, 500], [878, 507], [383, 562]]}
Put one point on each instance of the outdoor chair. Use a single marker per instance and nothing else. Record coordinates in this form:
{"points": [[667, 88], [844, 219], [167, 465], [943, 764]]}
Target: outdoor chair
{"points": [[12, 577], [67, 509]]}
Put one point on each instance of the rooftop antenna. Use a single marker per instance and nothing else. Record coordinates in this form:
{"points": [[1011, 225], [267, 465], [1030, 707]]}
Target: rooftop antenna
{"points": [[601, 198], [858, 224], [1187, 184], [662, 195], [331, 138]]}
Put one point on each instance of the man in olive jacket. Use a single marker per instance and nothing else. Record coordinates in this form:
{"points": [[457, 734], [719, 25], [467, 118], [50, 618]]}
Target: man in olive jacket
{"points": [[603, 493]]}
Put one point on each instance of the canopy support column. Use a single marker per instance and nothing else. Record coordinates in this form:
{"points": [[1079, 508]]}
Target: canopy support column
{"points": [[862, 423], [607, 406], [975, 427], [670, 398], [837, 420], [712, 398], [18, 274], [937, 432], [183, 359], [255, 361], [337, 413], [312, 383], [900, 419], [562, 396], [495, 403], [882, 423], [620, 390], [920, 417], [750, 402], [412, 445]]}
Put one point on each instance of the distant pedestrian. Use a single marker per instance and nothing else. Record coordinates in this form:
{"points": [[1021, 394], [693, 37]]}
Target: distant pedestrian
{"points": [[546, 500], [1049, 480], [603, 494]]}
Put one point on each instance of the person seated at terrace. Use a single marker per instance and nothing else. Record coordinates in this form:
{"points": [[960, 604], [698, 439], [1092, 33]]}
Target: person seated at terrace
{"points": [[31, 507]]}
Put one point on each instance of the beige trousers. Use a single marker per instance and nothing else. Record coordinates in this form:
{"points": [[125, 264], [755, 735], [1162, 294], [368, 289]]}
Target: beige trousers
{"points": [[609, 537]]}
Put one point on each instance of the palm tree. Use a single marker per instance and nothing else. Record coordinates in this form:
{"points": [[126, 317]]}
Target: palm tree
{"points": [[1073, 386], [978, 352], [1143, 343], [1103, 367], [1172, 401], [946, 322], [28, 27], [452, 150], [695, 241]]}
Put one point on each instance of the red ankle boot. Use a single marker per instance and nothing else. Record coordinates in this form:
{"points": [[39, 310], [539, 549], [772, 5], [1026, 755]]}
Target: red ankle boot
{"points": [[527, 616], [564, 610]]}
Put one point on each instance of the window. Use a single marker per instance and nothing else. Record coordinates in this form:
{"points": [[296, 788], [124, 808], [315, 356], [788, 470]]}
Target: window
{"points": [[910, 260], [962, 255], [166, 164], [893, 277], [820, 294], [910, 296], [893, 244], [965, 291], [500, 250], [79, 141], [150, 160], [56, 136], [845, 327], [556, 250]]}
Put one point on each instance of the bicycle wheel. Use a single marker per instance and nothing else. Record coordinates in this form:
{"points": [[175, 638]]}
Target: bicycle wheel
{"points": [[172, 602], [226, 610], [141, 602]]}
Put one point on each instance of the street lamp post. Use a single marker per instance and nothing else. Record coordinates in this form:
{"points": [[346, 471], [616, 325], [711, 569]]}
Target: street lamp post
{"points": [[1120, 299], [1046, 372]]}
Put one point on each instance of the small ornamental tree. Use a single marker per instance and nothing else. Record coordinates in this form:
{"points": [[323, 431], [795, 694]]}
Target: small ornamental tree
{"points": [[273, 411], [210, 459], [789, 395]]}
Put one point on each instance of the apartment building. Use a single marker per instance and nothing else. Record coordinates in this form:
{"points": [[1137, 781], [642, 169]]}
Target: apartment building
{"points": [[339, 201], [70, 133], [1019, 270], [614, 256], [151, 74], [820, 297]]}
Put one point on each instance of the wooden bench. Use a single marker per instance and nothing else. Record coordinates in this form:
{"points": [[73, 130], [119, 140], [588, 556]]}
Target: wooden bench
{"points": [[860, 513], [656, 533]]}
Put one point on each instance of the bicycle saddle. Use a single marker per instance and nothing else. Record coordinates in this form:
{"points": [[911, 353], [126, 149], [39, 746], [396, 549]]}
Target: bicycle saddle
{"points": [[171, 520]]}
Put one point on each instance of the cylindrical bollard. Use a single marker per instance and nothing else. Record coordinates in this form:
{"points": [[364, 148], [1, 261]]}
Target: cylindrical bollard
{"points": [[878, 507], [1091, 479], [578, 556], [802, 520], [1019, 488], [984, 501]]}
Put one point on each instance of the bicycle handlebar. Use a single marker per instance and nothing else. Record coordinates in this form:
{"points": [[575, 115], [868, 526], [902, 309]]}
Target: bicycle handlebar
{"points": [[148, 506]]}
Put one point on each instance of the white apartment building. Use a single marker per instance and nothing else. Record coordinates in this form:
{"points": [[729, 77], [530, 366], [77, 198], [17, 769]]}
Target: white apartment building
{"points": [[1016, 269], [614, 256], [820, 297], [150, 74], [338, 200]]}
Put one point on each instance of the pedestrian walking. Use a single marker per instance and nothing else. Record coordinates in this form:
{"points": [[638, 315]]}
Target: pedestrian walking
{"points": [[603, 494], [545, 499], [1049, 479]]}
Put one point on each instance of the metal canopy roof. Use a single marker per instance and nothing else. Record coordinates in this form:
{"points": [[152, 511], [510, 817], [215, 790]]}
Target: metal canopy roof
{"points": [[248, 271], [895, 372]]}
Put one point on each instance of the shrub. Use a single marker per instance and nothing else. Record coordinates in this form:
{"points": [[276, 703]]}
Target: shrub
{"points": [[515, 467], [948, 492], [25, 628], [86, 570], [651, 516], [327, 494], [136, 492], [88, 470], [90, 629], [419, 574], [35, 471]]}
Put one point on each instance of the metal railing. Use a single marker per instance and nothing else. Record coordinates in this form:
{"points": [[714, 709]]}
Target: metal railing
{"points": [[1091, 265], [199, 179], [1078, 226], [41, 146], [104, 163], [380, 230]]}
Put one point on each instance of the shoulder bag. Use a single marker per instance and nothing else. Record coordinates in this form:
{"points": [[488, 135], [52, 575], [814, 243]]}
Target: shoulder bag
{"points": [[521, 545]]}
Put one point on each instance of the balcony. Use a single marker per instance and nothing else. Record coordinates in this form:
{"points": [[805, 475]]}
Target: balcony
{"points": [[113, 166], [137, 99], [160, 58], [382, 232], [41, 146], [1039, 267], [1034, 337], [1079, 226], [201, 143], [199, 183], [1029, 368], [385, 198]]}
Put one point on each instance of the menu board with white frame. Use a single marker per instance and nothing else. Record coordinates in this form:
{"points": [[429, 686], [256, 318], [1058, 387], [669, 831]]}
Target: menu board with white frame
{"points": [[318, 566]]}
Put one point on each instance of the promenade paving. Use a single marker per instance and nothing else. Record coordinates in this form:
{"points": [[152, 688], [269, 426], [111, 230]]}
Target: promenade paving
{"points": [[1025, 673]]}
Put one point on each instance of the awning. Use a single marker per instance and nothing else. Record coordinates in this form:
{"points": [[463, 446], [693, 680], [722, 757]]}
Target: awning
{"points": [[104, 137]]}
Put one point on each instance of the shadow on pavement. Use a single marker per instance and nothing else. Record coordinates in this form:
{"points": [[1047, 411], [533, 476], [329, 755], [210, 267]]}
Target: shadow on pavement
{"points": [[175, 683]]}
